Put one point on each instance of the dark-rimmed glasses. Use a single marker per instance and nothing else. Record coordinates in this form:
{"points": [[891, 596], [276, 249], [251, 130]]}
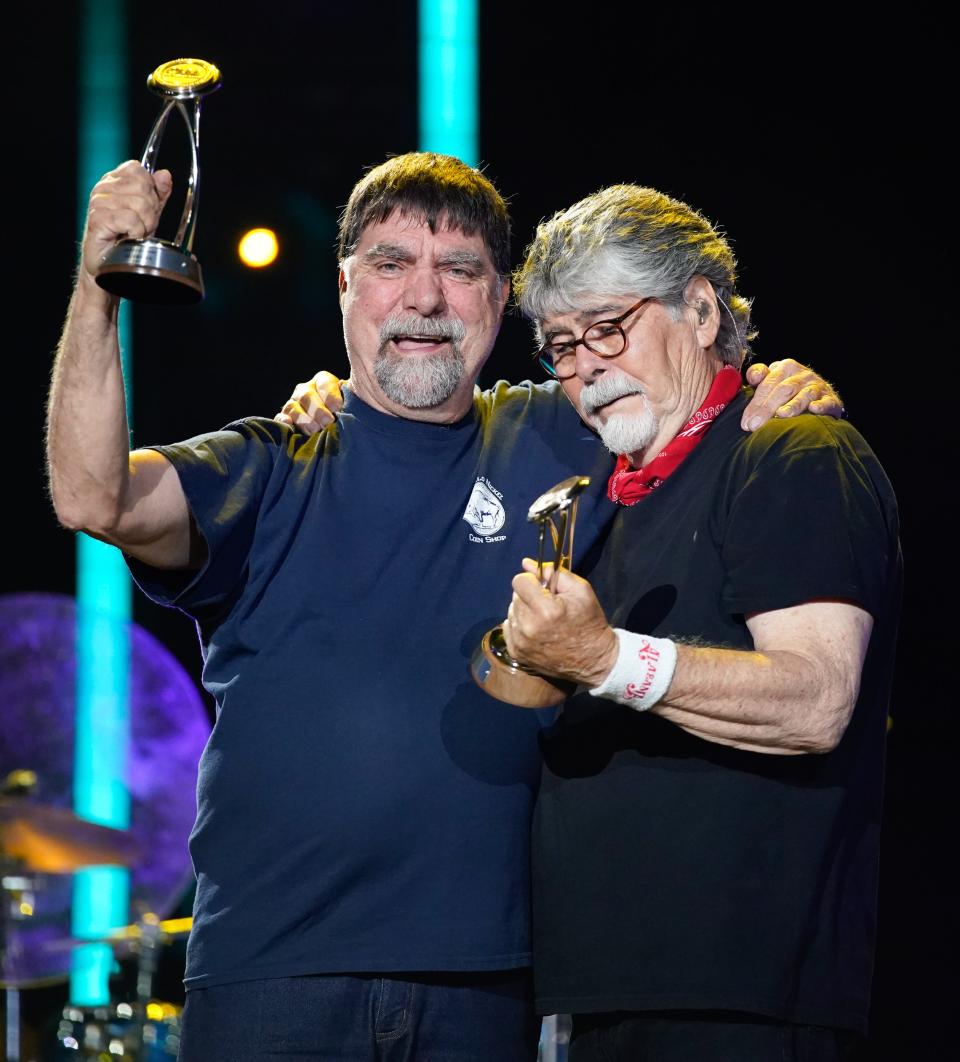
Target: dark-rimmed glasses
{"points": [[606, 339]]}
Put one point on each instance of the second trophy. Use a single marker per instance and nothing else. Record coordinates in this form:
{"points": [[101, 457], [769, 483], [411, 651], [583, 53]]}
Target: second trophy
{"points": [[493, 668]]}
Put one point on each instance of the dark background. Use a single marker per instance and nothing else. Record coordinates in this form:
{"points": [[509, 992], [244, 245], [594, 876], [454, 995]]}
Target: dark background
{"points": [[815, 139]]}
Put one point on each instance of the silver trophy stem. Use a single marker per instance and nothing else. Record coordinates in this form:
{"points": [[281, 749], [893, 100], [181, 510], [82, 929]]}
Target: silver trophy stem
{"points": [[542, 534], [188, 219], [147, 159], [562, 536]]}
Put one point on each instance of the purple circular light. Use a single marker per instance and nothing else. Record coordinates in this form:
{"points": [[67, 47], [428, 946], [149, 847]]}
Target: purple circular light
{"points": [[168, 729]]}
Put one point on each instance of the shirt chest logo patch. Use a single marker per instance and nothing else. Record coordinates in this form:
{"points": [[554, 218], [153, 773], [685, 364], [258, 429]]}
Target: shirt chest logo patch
{"points": [[485, 512]]}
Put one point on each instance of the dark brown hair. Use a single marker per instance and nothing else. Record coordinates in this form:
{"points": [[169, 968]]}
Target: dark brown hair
{"points": [[438, 189]]}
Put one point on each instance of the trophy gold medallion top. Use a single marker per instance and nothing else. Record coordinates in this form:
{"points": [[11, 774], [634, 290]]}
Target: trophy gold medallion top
{"points": [[184, 78]]}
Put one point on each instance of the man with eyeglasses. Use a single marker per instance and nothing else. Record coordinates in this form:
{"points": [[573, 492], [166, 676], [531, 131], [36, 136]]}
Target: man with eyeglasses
{"points": [[706, 832], [362, 838]]}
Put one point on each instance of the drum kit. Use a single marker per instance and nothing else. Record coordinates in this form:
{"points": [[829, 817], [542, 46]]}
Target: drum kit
{"points": [[43, 842], [38, 840]]}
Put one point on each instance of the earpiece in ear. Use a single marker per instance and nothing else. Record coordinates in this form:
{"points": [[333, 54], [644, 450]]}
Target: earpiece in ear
{"points": [[701, 311]]}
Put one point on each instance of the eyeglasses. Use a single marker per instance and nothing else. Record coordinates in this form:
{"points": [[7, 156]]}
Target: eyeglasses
{"points": [[606, 339]]}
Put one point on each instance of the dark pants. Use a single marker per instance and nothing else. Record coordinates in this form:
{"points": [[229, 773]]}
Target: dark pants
{"points": [[702, 1036], [446, 1017]]}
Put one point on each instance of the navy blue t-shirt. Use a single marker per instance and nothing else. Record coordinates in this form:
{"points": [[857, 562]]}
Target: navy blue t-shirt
{"points": [[362, 805]]}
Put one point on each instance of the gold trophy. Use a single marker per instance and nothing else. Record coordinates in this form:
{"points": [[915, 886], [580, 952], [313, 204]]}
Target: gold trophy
{"points": [[166, 271], [494, 670]]}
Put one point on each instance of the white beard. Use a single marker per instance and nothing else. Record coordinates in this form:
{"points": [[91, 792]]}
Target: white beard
{"points": [[621, 433], [628, 433]]}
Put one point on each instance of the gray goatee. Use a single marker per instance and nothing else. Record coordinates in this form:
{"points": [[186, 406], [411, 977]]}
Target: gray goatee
{"points": [[420, 381]]}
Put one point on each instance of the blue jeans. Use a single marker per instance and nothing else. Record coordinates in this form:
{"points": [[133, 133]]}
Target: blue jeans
{"points": [[446, 1017]]}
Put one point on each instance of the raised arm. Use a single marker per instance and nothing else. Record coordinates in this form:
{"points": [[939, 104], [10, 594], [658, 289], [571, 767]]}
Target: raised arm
{"points": [[132, 500]]}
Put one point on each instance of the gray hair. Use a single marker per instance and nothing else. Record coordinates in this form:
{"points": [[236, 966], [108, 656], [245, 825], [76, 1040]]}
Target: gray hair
{"points": [[627, 240]]}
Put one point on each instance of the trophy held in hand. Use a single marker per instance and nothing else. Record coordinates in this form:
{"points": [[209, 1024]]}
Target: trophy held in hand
{"points": [[493, 668], [154, 270]]}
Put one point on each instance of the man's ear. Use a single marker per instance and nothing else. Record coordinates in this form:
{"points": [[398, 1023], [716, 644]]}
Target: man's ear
{"points": [[341, 285], [702, 300]]}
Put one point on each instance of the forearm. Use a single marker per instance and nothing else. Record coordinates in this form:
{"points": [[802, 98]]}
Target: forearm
{"points": [[87, 434], [776, 701], [793, 694]]}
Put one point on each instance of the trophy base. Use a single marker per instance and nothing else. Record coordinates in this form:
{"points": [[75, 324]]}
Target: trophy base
{"points": [[153, 271], [496, 672]]}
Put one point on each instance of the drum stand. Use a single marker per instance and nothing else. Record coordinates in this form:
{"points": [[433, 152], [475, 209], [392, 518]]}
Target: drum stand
{"points": [[12, 1031], [147, 960], [16, 895]]}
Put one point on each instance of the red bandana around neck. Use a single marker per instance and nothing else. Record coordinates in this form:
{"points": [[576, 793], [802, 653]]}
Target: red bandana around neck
{"points": [[628, 485]]}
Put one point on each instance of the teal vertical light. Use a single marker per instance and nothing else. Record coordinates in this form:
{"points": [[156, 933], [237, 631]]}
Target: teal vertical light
{"points": [[104, 599], [448, 44]]}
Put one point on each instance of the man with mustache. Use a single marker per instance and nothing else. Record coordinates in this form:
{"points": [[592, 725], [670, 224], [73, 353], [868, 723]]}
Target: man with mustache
{"points": [[706, 833], [361, 850]]}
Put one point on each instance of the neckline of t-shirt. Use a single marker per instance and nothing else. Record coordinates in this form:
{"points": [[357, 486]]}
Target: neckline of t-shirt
{"points": [[387, 424]]}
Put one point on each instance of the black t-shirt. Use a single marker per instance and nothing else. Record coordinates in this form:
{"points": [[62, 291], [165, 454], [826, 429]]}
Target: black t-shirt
{"points": [[671, 872]]}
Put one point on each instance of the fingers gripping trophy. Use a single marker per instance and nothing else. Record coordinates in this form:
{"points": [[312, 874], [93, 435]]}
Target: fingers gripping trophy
{"points": [[493, 668], [166, 271]]}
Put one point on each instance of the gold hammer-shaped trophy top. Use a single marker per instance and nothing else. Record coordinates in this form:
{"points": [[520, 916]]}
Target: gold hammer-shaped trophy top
{"points": [[560, 501]]}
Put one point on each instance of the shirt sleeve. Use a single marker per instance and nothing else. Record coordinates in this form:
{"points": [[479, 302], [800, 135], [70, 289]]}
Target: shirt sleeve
{"points": [[806, 514], [224, 476]]}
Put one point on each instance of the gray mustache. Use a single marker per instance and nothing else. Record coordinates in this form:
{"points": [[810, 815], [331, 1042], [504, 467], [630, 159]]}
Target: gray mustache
{"points": [[606, 389], [414, 327]]}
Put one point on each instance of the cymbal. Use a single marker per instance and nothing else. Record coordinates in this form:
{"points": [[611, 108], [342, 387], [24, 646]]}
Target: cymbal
{"points": [[169, 726], [163, 929], [151, 928], [56, 841]]}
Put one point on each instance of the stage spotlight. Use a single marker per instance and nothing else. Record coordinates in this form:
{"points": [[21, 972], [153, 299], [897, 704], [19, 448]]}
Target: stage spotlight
{"points": [[258, 248]]}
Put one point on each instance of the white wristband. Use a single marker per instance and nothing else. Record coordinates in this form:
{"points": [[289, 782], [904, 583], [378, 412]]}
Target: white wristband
{"points": [[643, 671]]}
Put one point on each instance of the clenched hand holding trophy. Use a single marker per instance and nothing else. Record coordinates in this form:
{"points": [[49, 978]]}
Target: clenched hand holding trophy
{"points": [[155, 270], [492, 666]]}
